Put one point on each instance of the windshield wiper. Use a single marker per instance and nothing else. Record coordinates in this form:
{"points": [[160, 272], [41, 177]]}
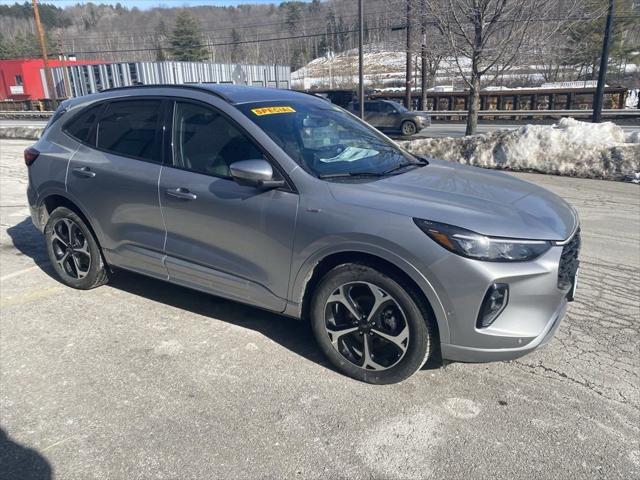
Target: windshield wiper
{"points": [[422, 163], [400, 166], [352, 174]]}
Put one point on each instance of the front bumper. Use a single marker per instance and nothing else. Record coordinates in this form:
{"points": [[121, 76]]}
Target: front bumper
{"points": [[534, 311], [459, 353]]}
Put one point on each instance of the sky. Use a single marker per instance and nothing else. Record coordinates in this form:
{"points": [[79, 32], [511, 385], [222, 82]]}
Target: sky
{"points": [[143, 4]]}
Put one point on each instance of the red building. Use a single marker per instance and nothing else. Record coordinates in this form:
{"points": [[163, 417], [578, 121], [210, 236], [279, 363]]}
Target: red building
{"points": [[23, 79]]}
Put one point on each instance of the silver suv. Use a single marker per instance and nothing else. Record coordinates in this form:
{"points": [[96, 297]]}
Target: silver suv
{"points": [[284, 201]]}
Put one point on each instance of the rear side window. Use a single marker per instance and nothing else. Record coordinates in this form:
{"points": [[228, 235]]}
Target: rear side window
{"points": [[132, 129], [81, 126], [55, 117]]}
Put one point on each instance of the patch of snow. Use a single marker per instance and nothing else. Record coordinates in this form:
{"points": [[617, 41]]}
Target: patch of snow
{"points": [[570, 147]]}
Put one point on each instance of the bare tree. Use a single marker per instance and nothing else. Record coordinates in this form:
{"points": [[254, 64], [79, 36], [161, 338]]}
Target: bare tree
{"points": [[484, 36]]}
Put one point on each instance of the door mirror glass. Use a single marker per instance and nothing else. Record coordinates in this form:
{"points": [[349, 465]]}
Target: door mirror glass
{"points": [[255, 173]]}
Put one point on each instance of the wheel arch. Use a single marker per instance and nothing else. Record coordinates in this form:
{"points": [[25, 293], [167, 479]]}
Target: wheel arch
{"points": [[54, 200], [309, 277]]}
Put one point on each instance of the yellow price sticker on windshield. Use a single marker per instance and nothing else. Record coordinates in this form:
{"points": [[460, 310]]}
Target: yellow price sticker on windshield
{"points": [[271, 110]]}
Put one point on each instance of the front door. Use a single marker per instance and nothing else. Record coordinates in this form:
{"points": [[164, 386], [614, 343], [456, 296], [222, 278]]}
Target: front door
{"points": [[223, 238], [116, 181]]}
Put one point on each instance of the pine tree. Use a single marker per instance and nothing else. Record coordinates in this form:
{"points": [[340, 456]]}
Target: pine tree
{"points": [[5, 48], [186, 40]]}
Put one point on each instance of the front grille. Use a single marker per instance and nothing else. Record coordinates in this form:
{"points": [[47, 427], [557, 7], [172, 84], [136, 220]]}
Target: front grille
{"points": [[569, 262]]}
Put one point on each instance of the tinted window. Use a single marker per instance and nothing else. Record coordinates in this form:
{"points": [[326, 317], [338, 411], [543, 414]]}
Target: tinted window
{"points": [[132, 129], [206, 142], [81, 126], [55, 117], [387, 108]]}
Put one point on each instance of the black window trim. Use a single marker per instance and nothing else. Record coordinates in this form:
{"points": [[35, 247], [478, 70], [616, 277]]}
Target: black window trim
{"points": [[168, 150], [166, 128], [160, 126], [65, 127]]}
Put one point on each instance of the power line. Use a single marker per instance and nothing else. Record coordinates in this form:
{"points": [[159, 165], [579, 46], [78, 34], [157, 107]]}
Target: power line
{"points": [[293, 37]]}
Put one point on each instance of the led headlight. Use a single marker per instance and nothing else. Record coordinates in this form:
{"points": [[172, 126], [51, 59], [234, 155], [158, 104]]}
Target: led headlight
{"points": [[481, 247]]}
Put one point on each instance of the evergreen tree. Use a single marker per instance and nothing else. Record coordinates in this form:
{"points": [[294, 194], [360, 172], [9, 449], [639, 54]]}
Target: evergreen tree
{"points": [[585, 38], [159, 41], [236, 48], [5, 47], [186, 40]]}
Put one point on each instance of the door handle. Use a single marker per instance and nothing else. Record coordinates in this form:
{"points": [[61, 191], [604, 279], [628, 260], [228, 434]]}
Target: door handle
{"points": [[182, 193], [84, 172]]}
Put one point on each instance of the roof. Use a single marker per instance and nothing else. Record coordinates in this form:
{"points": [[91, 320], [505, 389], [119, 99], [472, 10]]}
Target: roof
{"points": [[235, 94], [245, 94]]}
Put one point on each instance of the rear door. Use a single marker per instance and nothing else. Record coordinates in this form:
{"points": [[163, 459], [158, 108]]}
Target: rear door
{"points": [[223, 238], [389, 116], [114, 177], [372, 114]]}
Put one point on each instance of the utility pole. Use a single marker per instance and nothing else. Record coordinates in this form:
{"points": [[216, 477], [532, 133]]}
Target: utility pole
{"points": [[407, 94], [602, 72], [65, 74], [43, 47], [360, 59]]}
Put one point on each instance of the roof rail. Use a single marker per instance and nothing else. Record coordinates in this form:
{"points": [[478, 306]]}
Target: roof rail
{"points": [[168, 85]]}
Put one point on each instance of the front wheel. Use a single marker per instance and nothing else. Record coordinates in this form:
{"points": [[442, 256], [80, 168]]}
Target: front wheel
{"points": [[370, 326], [408, 128]]}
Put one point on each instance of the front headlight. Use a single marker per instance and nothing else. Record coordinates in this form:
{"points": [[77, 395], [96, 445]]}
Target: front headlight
{"points": [[480, 247]]}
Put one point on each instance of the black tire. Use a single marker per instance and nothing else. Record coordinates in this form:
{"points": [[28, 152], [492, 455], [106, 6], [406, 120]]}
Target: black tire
{"points": [[408, 128], [73, 251], [420, 337]]}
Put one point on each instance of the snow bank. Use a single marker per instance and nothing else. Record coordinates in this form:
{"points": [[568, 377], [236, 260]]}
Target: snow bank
{"points": [[25, 133], [570, 148]]}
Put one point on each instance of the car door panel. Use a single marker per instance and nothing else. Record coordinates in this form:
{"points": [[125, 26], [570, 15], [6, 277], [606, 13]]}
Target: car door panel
{"points": [[120, 196], [237, 239], [224, 238], [123, 197]]}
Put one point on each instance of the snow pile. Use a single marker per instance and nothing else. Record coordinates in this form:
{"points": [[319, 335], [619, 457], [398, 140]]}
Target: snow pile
{"points": [[25, 133], [570, 147]]}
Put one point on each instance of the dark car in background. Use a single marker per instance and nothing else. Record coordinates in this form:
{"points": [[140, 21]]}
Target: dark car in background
{"points": [[389, 115]]}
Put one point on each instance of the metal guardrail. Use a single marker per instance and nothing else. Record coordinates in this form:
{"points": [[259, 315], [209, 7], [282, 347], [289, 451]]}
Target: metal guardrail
{"points": [[434, 113], [536, 113], [26, 114]]}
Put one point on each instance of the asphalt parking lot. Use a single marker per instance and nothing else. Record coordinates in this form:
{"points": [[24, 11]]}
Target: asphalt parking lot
{"points": [[141, 379]]}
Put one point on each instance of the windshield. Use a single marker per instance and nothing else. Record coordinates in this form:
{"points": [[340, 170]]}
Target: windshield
{"points": [[325, 140]]}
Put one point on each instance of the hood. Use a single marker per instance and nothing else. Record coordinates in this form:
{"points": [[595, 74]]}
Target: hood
{"points": [[485, 201]]}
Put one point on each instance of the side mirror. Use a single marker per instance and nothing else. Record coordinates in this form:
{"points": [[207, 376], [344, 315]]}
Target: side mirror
{"points": [[254, 173]]}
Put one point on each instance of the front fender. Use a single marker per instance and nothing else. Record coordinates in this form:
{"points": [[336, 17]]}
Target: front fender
{"points": [[303, 275]]}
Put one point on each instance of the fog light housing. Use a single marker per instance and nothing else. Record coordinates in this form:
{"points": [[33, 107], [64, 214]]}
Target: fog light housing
{"points": [[495, 301]]}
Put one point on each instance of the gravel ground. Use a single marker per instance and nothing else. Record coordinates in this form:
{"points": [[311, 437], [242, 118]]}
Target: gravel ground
{"points": [[141, 379]]}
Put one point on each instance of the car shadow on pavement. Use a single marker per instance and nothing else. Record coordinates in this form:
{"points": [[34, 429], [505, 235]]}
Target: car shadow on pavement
{"points": [[288, 332], [292, 334], [21, 463], [27, 240]]}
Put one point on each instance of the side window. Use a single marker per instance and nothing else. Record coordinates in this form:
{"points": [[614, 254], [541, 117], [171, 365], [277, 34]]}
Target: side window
{"points": [[81, 128], [387, 108], [373, 107], [132, 129], [204, 141]]}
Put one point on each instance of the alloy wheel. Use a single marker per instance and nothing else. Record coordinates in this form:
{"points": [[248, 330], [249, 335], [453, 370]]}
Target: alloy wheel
{"points": [[70, 248], [408, 128], [366, 326]]}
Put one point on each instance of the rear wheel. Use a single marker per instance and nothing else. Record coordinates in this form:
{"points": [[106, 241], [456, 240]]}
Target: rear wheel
{"points": [[370, 325], [73, 250], [408, 128]]}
